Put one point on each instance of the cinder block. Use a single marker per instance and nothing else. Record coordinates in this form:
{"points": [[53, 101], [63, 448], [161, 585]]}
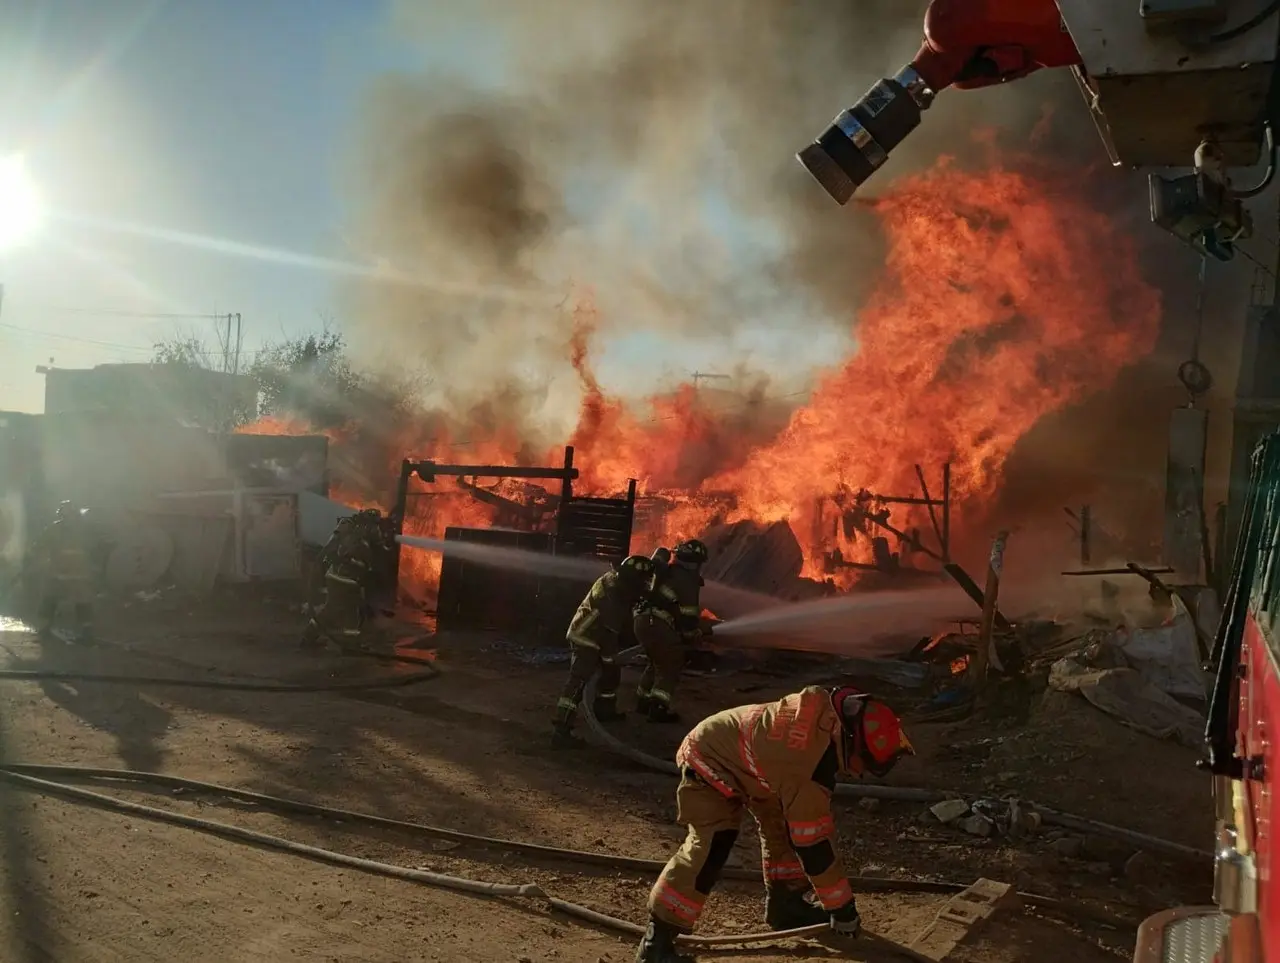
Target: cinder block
{"points": [[964, 914]]}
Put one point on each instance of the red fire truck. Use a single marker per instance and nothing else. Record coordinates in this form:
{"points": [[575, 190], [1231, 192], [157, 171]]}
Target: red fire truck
{"points": [[1244, 716]]}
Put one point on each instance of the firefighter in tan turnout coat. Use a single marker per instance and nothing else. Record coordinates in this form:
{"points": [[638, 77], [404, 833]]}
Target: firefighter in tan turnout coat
{"points": [[667, 623], [600, 628], [779, 762]]}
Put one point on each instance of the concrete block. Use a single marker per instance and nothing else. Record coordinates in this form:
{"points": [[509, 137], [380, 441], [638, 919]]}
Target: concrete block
{"points": [[949, 810], [964, 914]]}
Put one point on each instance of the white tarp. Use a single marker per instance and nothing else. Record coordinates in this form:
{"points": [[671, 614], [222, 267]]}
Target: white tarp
{"points": [[318, 517], [1127, 695], [1166, 656]]}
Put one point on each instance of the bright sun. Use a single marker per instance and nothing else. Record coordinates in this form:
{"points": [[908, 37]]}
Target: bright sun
{"points": [[20, 208]]}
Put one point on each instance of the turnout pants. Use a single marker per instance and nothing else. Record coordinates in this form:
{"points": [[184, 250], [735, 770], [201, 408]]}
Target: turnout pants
{"points": [[585, 659], [662, 645], [713, 820], [341, 615]]}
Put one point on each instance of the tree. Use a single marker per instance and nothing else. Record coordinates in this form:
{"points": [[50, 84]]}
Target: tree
{"points": [[309, 378], [186, 350], [194, 391]]}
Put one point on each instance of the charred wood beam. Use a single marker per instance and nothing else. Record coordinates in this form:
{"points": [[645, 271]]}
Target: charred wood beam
{"points": [[946, 512], [970, 588], [904, 500], [1163, 570], [530, 514], [933, 516], [986, 653], [913, 542], [427, 469]]}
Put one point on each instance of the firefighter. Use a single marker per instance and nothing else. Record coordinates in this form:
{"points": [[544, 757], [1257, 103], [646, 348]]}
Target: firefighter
{"points": [[347, 559], [599, 628], [364, 526], [669, 621], [779, 762], [63, 556]]}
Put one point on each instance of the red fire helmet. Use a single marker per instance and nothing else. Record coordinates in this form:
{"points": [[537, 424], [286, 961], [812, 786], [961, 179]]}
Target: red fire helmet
{"points": [[872, 737]]}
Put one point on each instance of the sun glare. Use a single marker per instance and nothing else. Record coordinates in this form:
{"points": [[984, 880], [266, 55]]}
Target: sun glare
{"points": [[20, 208]]}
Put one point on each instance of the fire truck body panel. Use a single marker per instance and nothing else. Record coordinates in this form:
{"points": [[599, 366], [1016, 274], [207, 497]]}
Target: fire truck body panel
{"points": [[1244, 716]]}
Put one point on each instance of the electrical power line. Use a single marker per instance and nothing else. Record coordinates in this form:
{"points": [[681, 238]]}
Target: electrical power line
{"points": [[69, 337], [144, 315]]}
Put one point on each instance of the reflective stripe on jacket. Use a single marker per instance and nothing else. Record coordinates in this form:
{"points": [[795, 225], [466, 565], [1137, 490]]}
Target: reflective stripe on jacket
{"points": [[758, 752]]}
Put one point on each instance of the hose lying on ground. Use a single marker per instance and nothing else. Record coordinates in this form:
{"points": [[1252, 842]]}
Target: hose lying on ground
{"points": [[862, 884], [898, 793], [423, 877], [426, 672], [227, 685], [66, 774]]}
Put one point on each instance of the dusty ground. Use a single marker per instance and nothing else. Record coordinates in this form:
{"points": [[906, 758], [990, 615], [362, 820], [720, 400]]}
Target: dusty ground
{"points": [[467, 751]]}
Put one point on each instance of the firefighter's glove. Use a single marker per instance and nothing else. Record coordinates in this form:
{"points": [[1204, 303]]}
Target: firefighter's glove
{"points": [[845, 921]]}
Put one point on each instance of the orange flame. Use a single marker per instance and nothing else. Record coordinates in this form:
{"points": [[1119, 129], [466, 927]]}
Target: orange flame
{"points": [[1004, 297], [1003, 300]]}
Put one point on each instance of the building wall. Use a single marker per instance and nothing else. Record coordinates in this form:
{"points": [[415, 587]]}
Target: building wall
{"points": [[114, 463], [178, 392]]}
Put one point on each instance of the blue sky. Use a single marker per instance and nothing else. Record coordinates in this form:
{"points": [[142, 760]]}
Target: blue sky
{"points": [[231, 119]]}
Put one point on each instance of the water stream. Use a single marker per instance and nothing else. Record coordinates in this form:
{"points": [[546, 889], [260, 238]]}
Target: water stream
{"points": [[512, 559], [858, 621], [855, 611]]}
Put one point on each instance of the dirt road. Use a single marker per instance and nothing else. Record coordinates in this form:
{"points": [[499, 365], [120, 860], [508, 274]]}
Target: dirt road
{"points": [[468, 752]]}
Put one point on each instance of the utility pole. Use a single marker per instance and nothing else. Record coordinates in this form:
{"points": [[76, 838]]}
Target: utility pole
{"points": [[230, 346]]}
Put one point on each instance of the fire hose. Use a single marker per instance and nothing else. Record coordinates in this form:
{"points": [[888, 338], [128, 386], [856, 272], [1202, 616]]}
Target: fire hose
{"points": [[226, 685], [31, 777], [896, 793], [23, 776]]}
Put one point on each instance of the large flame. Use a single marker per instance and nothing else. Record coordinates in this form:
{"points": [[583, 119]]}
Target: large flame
{"points": [[1003, 300], [1005, 296]]}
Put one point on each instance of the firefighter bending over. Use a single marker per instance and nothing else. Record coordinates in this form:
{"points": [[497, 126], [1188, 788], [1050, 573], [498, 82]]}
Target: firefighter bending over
{"points": [[669, 621], [62, 555], [599, 627], [346, 561], [779, 762]]}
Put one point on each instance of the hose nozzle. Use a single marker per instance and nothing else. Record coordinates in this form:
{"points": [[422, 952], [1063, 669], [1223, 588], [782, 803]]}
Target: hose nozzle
{"points": [[859, 140]]}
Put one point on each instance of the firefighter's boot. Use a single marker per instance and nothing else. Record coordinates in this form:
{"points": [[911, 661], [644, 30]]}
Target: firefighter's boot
{"points": [[606, 709], [790, 909], [562, 736], [643, 701], [312, 638], [45, 621], [660, 711], [659, 945], [84, 625]]}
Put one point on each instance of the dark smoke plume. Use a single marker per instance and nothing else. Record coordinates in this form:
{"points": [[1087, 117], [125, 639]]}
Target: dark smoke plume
{"points": [[598, 145]]}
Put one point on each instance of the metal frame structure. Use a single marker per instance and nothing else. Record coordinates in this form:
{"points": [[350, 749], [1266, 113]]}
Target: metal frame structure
{"points": [[585, 526], [939, 517], [428, 471]]}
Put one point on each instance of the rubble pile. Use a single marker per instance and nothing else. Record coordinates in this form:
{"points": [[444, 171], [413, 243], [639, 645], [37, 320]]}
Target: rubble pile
{"points": [[987, 817]]}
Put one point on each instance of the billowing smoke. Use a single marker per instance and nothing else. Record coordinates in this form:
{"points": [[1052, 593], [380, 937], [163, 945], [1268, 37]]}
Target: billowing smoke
{"points": [[641, 148], [640, 152]]}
